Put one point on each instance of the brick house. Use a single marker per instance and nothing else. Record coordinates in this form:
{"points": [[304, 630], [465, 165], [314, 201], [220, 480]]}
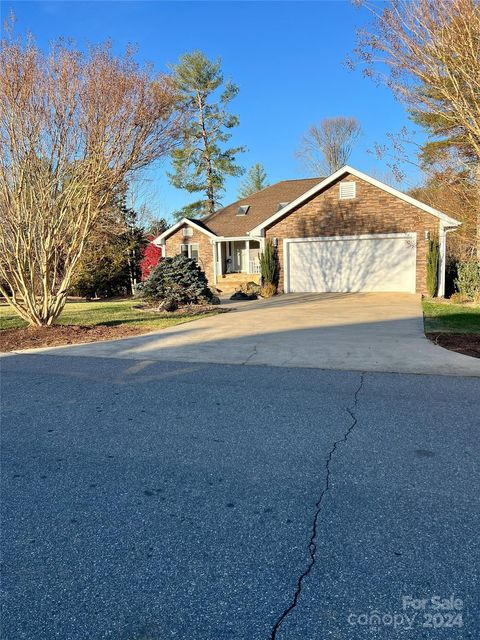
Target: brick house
{"points": [[346, 232]]}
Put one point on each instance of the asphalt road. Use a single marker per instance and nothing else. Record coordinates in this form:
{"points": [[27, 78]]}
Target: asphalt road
{"points": [[195, 501]]}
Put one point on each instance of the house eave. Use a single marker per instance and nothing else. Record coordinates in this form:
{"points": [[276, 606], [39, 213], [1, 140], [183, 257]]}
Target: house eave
{"points": [[260, 229], [159, 240]]}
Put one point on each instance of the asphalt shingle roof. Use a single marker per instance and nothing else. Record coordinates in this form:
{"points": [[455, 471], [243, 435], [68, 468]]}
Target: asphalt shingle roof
{"points": [[262, 204]]}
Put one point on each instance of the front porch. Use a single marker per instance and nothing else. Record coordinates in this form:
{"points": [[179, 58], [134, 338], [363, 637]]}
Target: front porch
{"points": [[237, 261], [230, 282]]}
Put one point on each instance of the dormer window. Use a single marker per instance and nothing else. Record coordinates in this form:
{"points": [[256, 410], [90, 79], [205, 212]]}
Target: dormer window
{"points": [[242, 210], [347, 190], [280, 205], [187, 232]]}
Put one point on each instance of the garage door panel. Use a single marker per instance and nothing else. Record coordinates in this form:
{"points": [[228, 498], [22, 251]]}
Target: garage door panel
{"points": [[344, 265]]}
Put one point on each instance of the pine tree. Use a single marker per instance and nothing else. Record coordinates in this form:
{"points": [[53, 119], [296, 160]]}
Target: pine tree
{"points": [[201, 162], [255, 180]]}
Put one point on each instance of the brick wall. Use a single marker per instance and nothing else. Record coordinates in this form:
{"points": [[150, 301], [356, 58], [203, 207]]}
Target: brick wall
{"points": [[371, 211], [205, 249]]}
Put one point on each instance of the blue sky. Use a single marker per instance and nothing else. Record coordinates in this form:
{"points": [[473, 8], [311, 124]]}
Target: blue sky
{"points": [[287, 58]]}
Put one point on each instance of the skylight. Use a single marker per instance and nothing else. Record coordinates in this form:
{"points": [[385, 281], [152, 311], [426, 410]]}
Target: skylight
{"points": [[242, 210]]}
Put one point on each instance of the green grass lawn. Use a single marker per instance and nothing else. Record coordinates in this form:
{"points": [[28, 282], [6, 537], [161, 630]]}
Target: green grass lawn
{"points": [[451, 318], [107, 312]]}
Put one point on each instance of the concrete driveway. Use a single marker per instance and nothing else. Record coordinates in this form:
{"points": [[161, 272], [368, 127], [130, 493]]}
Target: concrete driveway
{"points": [[359, 331]]}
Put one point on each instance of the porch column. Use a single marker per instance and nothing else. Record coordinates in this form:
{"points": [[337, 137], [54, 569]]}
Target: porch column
{"points": [[247, 245]]}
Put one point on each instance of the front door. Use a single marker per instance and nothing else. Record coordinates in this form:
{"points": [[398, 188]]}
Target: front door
{"points": [[240, 256]]}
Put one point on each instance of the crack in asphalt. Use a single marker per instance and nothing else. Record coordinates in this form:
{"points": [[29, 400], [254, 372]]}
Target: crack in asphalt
{"points": [[312, 546], [254, 353]]}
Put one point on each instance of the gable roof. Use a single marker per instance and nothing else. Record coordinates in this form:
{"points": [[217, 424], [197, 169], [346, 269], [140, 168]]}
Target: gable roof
{"points": [[261, 205], [319, 186], [196, 224]]}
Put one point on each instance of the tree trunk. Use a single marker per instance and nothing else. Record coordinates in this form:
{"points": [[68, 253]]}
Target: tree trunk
{"points": [[208, 159], [478, 212]]}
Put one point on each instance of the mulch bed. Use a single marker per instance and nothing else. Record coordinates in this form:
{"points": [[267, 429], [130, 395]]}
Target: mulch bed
{"points": [[466, 343], [34, 337], [57, 335]]}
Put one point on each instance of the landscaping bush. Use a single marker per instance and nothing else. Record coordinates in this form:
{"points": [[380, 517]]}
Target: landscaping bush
{"points": [[459, 298], [468, 279], [177, 281], [268, 290], [250, 288], [269, 265], [432, 267], [169, 305]]}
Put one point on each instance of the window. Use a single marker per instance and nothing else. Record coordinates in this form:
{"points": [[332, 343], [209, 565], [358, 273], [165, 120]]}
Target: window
{"points": [[242, 211], [187, 232], [189, 251], [347, 190]]}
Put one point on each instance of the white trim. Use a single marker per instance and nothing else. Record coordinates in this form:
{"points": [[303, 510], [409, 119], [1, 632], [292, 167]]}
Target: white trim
{"points": [[442, 258], [442, 237], [232, 238], [180, 223], [362, 236], [362, 176]]}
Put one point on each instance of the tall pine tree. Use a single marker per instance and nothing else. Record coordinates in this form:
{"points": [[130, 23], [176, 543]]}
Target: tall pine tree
{"points": [[255, 180], [201, 162]]}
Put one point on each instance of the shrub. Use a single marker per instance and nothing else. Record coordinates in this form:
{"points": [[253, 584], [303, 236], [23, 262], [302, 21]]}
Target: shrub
{"points": [[137, 290], [459, 298], [468, 279], [268, 290], [268, 263], [151, 255], [432, 267], [249, 288], [169, 305], [178, 280]]}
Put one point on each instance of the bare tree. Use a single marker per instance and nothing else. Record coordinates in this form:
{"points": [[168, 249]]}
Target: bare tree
{"points": [[74, 128], [327, 146], [428, 53]]}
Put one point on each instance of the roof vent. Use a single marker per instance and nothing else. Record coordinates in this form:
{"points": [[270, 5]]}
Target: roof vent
{"points": [[280, 205], [242, 211], [347, 190]]}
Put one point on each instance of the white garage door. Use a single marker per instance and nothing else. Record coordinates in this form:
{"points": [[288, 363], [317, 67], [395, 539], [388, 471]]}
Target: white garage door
{"points": [[351, 263]]}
